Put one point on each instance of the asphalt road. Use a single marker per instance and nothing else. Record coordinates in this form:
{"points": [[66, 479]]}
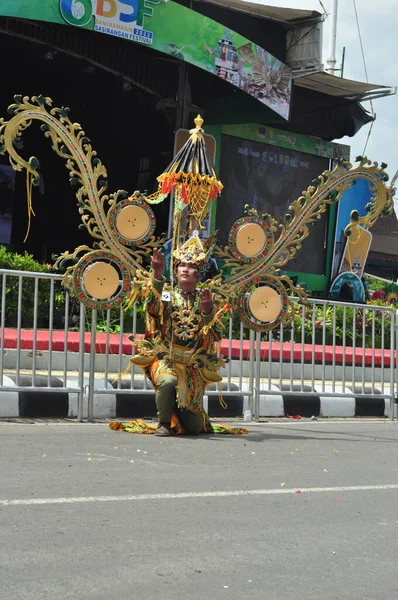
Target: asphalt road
{"points": [[292, 510]]}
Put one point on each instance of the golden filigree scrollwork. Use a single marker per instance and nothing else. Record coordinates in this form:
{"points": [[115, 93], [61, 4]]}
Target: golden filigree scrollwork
{"points": [[254, 267], [122, 226], [98, 211]]}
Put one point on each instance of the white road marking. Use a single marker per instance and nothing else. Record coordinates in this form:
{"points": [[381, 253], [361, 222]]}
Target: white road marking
{"points": [[183, 495]]}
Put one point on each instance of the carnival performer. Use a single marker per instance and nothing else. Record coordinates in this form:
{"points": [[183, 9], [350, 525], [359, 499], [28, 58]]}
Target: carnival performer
{"points": [[180, 351], [185, 320]]}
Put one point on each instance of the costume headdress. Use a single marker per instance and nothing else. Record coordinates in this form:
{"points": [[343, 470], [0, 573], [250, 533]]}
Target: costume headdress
{"points": [[195, 252], [192, 179], [191, 251]]}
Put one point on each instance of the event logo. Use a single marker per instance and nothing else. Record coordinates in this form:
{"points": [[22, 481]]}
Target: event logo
{"points": [[76, 12], [125, 12]]}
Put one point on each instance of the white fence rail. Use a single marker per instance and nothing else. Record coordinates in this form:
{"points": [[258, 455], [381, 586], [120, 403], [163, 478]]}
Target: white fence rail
{"points": [[342, 351], [50, 344]]}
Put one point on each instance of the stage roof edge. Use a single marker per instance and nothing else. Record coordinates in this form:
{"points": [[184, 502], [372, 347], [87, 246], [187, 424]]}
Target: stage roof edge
{"points": [[343, 88], [285, 16]]}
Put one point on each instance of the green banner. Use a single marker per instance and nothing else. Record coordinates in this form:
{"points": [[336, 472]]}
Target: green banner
{"points": [[288, 140], [173, 29]]}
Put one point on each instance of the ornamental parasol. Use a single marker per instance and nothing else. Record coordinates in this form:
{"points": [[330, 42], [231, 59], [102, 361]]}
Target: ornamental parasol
{"points": [[191, 176]]}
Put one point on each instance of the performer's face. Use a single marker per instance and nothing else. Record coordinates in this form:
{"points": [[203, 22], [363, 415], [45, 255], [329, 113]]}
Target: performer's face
{"points": [[187, 276]]}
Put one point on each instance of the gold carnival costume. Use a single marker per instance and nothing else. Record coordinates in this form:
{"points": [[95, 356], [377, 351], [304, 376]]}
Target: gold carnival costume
{"points": [[180, 352], [181, 342]]}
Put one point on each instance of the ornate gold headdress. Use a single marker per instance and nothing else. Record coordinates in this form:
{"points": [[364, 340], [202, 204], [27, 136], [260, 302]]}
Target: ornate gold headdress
{"points": [[191, 251], [194, 251]]}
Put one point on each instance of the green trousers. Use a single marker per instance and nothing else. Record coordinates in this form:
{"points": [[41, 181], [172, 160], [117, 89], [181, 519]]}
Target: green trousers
{"points": [[166, 404]]}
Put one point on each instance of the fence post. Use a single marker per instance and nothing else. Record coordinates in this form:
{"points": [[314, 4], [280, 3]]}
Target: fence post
{"points": [[2, 326], [251, 372], [80, 397], [258, 376], [394, 367], [91, 376]]}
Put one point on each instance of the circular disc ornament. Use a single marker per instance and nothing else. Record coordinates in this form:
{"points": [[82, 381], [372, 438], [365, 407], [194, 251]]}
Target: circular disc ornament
{"points": [[132, 221], [249, 239], [101, 280], [263, 303]]}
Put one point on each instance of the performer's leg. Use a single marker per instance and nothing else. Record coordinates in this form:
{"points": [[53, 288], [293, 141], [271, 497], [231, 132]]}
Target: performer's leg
{"points": [[192, 424], [165, 398]]}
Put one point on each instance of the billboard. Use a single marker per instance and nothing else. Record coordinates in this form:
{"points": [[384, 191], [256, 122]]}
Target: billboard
{"points": [[289, 140], [178, 31], [352, 255], [270, 178]]}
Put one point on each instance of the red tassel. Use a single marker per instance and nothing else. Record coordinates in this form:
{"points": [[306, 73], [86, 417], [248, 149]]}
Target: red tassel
{"points": [[168, 184], [213, 192], [184, 194]]}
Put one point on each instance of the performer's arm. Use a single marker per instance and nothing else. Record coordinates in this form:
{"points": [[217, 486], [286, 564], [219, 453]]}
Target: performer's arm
{"points": [[153, 303]]}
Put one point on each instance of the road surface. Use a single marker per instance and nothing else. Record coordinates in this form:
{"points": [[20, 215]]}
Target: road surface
{"points": [[303, 509]]}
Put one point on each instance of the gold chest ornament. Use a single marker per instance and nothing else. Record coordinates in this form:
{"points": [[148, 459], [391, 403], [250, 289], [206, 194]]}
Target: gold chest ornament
{"points": [[186, 319]]}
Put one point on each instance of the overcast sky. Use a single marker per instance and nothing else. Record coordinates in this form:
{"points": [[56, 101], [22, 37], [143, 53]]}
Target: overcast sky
{"points": [[379, 31]]}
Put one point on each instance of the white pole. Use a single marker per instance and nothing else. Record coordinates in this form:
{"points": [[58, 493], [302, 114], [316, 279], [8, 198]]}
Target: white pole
{"points": [[331, 60]]}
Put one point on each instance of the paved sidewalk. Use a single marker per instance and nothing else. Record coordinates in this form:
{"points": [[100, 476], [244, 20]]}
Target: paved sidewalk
{"points": [[303, 509]]}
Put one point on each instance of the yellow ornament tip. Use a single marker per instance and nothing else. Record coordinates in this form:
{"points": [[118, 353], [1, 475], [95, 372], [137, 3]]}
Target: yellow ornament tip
{"points": [[198, 122]]}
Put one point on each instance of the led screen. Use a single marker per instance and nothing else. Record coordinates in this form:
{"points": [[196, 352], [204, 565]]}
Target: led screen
{"points": [[270, 178]]}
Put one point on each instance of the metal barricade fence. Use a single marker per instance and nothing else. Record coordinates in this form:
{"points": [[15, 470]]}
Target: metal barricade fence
{"points": [[28, 363], [333, 350], [37, 356]]}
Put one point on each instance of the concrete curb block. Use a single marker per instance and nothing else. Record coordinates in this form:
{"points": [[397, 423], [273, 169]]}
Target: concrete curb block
{"points": [[285, 405], [337, 406], [37, 404], [104, 406], [125, 404], [139, 406], [9, 401]]}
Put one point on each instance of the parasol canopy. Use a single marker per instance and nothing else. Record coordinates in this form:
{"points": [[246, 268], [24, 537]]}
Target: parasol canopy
{"points": [[191, 176]]}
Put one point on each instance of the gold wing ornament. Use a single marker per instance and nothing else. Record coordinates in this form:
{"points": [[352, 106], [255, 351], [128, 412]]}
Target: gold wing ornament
{"points": [[258, 246], [123, 226]]}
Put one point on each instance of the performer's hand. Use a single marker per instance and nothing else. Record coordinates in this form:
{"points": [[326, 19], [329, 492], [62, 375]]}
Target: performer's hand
{"points": [[206, 301], [157, 263]]}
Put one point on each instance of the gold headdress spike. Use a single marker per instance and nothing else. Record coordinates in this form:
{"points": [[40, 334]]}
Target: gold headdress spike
{"points": [[198, 122]]}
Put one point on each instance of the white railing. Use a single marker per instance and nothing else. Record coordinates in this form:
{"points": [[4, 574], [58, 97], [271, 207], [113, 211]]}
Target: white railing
{"points": [[355, 358], [50, 343]]}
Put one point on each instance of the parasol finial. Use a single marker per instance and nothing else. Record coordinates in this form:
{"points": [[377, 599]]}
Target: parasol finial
{"points": [[198, 122]]}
